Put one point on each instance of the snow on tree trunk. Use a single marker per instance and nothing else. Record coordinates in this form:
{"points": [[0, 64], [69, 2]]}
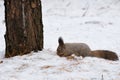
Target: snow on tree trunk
{"points": [[24, 28]]}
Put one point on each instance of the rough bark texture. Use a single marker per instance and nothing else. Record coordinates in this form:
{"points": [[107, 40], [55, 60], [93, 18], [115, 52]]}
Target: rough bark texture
{"points": [[24, 28]]}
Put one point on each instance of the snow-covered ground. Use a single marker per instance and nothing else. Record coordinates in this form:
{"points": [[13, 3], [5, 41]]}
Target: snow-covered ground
{"points": [[94, 22]]}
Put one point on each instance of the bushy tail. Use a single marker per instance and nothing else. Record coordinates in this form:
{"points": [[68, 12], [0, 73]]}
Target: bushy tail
{"points": [[106, 54], [60, 41]]}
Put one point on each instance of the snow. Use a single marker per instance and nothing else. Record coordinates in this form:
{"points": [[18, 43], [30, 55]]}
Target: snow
{"points": [[2, 30], [93, 22]]}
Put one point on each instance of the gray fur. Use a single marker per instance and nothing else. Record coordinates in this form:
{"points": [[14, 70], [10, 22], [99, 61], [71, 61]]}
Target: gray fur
{"points": [[67, 49]]}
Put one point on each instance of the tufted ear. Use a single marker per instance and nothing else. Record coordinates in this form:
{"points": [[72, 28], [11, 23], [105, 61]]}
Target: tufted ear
{"points": [[60, 41]]}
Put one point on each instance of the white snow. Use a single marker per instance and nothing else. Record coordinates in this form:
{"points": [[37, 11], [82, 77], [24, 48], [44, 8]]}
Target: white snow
{"points": [[2, 29], [94, 22]]}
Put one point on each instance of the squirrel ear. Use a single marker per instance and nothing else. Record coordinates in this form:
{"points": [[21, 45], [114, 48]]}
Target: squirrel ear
{"points": [[60, 41]]}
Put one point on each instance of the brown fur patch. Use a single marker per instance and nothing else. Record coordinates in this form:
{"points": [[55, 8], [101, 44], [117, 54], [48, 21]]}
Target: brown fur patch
{"points": [[106, 54]]}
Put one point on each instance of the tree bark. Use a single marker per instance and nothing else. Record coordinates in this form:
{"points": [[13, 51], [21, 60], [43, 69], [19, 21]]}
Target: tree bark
{"points": [[24, 28]]}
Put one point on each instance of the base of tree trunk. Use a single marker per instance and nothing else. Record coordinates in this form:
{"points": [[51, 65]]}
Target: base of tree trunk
{"points": [[24, 28]]}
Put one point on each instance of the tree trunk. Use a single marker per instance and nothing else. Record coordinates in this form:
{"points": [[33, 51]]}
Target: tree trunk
{"points": [[24, 28]]}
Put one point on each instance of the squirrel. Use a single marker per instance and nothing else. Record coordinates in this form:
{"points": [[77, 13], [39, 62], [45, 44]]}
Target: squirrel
{"points": [[82, 49]]}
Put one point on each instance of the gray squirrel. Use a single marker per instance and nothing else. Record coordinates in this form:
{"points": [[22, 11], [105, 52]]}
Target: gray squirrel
{"points": [[82, 49]]}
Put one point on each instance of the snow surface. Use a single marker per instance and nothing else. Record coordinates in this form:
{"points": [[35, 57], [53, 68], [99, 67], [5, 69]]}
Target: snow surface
{"points": [[94, 22]]}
